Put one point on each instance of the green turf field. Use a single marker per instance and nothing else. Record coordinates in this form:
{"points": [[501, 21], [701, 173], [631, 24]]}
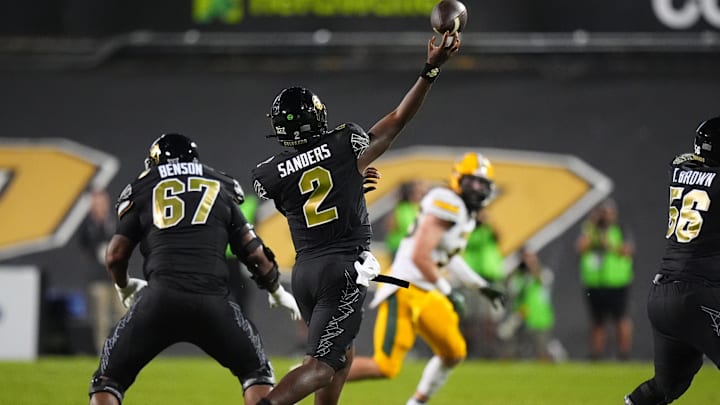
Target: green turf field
{"points": [[198, 380]]}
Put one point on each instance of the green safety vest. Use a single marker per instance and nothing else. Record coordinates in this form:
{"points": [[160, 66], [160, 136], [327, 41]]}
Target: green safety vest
{"points": [[605, 269], [533, 300], [483, 254], [405, 213]]}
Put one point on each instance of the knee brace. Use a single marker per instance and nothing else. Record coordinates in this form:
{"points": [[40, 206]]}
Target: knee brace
{"points": [[261, 376], [264, 380], [104, 384]]}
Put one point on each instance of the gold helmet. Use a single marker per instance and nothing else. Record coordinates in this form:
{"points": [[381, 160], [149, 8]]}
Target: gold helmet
{"points": [[473, 166]]}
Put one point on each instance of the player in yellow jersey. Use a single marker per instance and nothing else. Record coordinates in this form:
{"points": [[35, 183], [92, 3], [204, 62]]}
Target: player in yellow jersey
{"points": [[431, 308]]}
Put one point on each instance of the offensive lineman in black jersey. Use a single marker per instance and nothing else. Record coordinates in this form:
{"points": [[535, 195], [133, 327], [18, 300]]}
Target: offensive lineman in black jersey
{"points": [[183, 214], [318, 187], [684, 300]]}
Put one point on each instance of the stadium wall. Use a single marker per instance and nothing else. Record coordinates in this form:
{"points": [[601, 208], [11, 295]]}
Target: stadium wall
{"points": [[628, 127]]}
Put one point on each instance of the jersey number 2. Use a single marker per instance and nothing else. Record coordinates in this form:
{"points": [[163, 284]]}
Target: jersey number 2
{"points": [[169, 208], [318, 182], [685, 223]]}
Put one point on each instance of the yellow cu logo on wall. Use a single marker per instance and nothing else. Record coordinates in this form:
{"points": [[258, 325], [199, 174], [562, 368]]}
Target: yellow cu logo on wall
{"points": [[541, 195], [43, 191]]}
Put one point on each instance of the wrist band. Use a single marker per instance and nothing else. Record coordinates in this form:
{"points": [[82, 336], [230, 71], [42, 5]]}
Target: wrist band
{"points": [[430, 72]]}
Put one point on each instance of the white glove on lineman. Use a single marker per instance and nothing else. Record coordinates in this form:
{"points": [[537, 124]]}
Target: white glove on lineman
{"points": [[367, 268], [282, 298], [127, 294], [507, 328]]}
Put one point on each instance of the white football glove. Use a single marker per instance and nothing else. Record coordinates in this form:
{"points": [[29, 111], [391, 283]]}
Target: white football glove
{"points": [[367, 268], [507, 328], [127, 294], [282, 298]]}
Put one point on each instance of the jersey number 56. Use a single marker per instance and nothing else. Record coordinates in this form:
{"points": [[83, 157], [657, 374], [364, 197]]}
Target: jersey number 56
{"points": [[685, 223]]}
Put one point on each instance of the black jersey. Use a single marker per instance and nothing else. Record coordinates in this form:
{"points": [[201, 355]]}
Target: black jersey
{"points": [[319, 190], [182, 215], [692, 250]]}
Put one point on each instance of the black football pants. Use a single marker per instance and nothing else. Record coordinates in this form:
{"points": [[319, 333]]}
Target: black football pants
{"points": [[685, 319]]}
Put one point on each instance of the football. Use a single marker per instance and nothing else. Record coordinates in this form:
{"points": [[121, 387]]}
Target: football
{"points": [[448, 16]]}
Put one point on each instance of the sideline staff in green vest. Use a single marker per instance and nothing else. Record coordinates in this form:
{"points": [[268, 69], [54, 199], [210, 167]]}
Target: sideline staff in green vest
{"points": [[606, 271], [404, 213], [528, 328]]}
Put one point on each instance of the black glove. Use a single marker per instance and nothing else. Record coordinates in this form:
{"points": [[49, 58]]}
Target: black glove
{"points": [[495, 294], [458, 302]]}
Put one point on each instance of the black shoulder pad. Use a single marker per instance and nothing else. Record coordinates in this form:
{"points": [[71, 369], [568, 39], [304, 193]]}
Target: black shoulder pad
{"points": [[687, 157], [359, 139], [238, 192], [268, 160], [144, 173], [338, 128], [356, 128], [126, 193], [124, 202], [260, 190]]}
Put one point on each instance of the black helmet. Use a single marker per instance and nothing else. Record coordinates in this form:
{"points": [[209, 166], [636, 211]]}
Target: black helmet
{"points": [[707, 140], [172, 148], [297, 116]]}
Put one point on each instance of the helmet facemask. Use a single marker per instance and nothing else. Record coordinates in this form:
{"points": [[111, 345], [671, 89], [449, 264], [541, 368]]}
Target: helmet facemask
{"points": [[476, 191]]}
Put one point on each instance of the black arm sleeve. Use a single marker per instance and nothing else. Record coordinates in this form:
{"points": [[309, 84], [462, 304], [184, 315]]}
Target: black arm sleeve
{"points": [[238, 225], [129, 225], [244, 244]]}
